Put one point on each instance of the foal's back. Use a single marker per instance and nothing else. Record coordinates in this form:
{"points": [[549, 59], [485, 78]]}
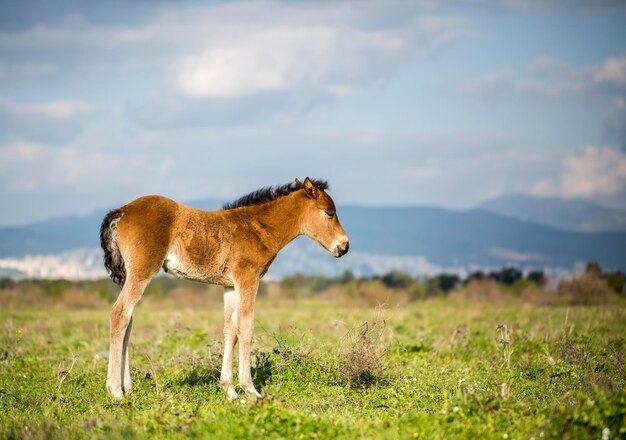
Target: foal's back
{"points": [[156, 232]]}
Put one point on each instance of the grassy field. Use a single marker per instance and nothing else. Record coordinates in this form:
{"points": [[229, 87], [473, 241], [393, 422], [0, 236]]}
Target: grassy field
{"points": [[438, 368]]}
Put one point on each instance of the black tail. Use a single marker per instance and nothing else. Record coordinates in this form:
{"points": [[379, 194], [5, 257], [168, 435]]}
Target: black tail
{"points": [[113, 261]]}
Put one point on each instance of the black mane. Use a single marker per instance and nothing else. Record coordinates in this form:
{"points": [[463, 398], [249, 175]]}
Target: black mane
{"points": [[269, 193]]}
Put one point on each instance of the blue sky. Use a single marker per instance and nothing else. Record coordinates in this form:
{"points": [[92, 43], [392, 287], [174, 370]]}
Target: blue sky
{"points": [[426, 102]]}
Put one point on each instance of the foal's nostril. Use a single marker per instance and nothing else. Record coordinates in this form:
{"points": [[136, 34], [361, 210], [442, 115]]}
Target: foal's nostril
{"points": [[342, 251]]}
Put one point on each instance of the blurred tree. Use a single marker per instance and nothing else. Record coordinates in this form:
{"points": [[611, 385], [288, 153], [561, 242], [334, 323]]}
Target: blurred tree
{"points": [[347, 277], [293, 281], [616, 281], [475, 276], [442, 283], [397, 280], [537, 277], [594, 268], [508, 275], [6, 283]]}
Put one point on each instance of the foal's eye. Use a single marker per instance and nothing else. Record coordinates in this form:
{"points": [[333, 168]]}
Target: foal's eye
{"points": [[330, 214]]}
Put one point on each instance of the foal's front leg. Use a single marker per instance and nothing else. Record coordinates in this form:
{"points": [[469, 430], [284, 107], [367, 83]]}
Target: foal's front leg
{"points": [[245, 330], [231, 298]]}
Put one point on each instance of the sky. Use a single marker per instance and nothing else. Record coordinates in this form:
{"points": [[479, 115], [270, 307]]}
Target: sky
{"points": [[431, 102]]}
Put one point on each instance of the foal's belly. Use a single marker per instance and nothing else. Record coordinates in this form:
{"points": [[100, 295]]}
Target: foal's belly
{"points": [[179, 268]]}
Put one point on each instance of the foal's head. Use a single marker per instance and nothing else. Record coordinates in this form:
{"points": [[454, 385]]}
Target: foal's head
{"points": [[320, 222]]}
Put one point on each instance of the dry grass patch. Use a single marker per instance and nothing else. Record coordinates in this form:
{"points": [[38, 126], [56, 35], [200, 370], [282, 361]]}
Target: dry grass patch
{"points": [[363, 353]]}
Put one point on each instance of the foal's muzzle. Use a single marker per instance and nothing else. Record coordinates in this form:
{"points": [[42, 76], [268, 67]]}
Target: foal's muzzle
{"points": [[341, 251]]}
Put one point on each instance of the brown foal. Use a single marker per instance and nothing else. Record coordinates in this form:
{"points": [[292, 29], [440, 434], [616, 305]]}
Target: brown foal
{"points": [[232, 247]]}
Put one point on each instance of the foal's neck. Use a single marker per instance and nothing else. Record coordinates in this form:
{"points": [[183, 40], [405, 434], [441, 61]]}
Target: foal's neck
{"points": [[279, 221]]}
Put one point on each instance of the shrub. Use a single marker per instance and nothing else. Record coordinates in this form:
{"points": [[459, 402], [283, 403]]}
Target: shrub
{"points": [[586, 289], [481, 290]]}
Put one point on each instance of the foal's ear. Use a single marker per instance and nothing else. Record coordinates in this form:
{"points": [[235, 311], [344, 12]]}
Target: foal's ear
{"points": [[297, 183], [310, 190]]}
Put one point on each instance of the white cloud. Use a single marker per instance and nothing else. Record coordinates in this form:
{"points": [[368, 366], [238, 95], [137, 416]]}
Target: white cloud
{"points": [[52, 121], [234, 50], [30, 167], [18, 152], [549, 78], [546, 5], [52, 110], [588, 172], [246, 62], [611, 72], [325, 49], [518, 257], [430, 170], [275, 57]]}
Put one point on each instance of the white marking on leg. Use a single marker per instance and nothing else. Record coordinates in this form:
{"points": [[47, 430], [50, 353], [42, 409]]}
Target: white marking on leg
{"points": [[231, 300]]}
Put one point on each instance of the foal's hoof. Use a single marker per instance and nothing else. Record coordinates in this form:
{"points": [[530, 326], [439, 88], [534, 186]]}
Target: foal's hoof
{"points": [[117, 393], [229, 389], [252, 393], [231, 394]]}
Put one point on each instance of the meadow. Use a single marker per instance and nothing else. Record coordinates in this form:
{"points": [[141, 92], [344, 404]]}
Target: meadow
{"points": [[350, 360]]}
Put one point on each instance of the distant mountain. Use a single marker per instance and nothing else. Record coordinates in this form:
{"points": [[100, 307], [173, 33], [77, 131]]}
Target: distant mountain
{"points": [[415, 239], [464, 238], [560, 213], [51, 236]]}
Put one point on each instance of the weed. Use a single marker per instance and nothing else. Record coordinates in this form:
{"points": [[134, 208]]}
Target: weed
{"points": [[363, 352], [62, 374], [459, 335], [263, 368], [505, 341], [154, 375], [505, 391]]}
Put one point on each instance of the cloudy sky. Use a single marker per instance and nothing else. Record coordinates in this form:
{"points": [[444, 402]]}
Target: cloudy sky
{"points": [[422, 102]]}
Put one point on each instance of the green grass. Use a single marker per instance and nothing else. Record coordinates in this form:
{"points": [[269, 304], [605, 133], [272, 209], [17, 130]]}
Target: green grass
{"points": [[440, 371]]}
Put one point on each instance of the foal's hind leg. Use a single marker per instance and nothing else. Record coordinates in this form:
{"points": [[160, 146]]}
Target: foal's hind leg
{"points": [[127, 383], [118, 377], [231, 298]]}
